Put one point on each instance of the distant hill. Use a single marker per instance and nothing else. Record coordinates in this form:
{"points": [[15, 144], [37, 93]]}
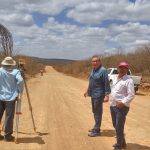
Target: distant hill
{"points": [[53, 61]]}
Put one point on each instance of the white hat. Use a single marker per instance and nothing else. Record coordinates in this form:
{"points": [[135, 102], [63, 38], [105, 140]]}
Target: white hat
{"points": [[8, 61]]}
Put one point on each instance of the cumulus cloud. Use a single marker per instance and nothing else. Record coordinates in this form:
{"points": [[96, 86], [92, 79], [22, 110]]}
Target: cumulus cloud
{"points": [[95, 12], [72, 40], [17, 19]]}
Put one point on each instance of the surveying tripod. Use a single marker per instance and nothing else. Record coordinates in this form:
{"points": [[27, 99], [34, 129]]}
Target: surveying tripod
{"points": [[22, 69]]}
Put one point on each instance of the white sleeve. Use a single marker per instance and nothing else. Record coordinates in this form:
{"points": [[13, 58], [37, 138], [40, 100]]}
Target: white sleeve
{"points": [[130, 93]]}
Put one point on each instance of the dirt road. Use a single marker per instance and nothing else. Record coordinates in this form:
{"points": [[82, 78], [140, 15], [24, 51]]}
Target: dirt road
{"points": [[63, 117]]}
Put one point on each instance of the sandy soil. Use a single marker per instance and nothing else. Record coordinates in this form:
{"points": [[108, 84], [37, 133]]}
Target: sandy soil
{"points": [[63, 116]]}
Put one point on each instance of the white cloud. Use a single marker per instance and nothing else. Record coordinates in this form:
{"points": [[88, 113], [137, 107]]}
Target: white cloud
{"points": [[64, 40], [129, 35], [141, 42], [96, 11], [17, 19]]}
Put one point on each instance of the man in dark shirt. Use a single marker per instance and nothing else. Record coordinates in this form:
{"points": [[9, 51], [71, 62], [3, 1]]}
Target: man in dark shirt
{"points": [[98, 90]]}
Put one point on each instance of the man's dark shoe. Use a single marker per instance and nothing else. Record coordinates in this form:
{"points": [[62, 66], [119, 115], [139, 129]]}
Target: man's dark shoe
{"points": [[94, 130], [91, 130], [118, 147], [94, 134], [9, 138], [1, 137]]}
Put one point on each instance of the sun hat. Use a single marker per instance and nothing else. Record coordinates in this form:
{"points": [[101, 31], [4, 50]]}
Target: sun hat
{"points": [[8, 61]]}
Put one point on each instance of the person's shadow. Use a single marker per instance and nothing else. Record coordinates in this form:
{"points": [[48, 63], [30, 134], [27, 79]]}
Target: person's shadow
{"points": [[108, 133], [36, 139], [130, 146], [134, 146], [140, 94]]}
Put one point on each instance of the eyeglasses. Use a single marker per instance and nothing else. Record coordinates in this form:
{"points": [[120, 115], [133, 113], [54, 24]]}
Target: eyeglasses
{"points": [[95, 61]]}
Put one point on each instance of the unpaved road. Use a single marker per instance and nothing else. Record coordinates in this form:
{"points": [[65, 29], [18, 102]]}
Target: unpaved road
{"points": [[63, 117]]}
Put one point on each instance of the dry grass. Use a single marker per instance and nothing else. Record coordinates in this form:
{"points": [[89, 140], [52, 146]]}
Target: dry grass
{"points": [[31, 66], [78, 69], [139, 64]]}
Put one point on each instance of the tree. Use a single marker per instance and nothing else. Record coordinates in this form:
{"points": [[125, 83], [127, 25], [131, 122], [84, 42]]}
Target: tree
{"points": [[6, 41]]}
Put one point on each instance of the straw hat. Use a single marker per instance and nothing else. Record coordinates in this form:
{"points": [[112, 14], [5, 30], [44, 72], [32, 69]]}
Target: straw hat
{"points": [[8, 61]]}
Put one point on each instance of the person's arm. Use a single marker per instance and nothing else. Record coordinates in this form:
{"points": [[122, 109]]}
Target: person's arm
{"points": [[130, 93], [20, 82], [106, 86], [88, 91]]}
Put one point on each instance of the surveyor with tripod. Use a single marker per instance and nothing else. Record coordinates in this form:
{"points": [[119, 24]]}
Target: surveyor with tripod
{"points": [[11, 88]]}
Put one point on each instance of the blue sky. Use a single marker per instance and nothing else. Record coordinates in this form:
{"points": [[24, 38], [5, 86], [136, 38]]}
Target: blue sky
{"points": [[39, 19], [76, 29]]}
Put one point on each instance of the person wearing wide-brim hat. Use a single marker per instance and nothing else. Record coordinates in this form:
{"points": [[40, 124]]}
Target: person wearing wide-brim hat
{"points": [[8, 61], [11, 86]]}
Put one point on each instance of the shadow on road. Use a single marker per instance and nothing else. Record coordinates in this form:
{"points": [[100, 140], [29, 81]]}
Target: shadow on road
{"points": [[39, 133], [108, 133], [37, 139], [134, 146], [140, 94]]}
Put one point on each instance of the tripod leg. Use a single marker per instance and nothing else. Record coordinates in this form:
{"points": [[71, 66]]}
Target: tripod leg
{"points": [[18, 112], [29, 102], [17, 128]]}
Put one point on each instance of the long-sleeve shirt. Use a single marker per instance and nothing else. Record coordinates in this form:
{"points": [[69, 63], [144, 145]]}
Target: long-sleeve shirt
{"points": [[122, 90], [98, 83], [11, 84]]}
